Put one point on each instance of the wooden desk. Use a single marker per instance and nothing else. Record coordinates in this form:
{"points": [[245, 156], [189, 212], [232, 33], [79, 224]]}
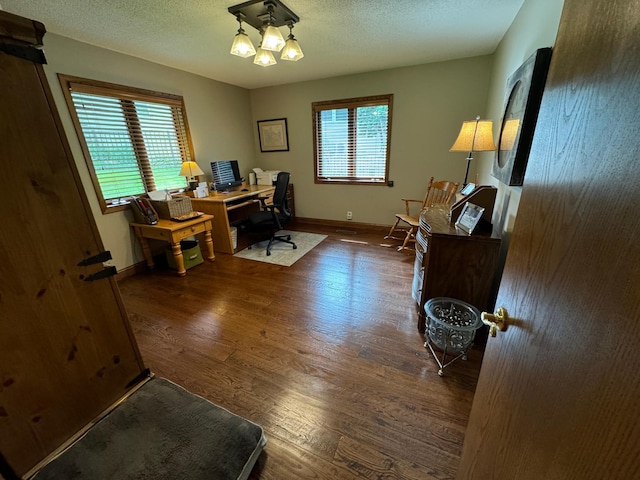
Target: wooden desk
{"points": [[173, 232], [229, 209]]}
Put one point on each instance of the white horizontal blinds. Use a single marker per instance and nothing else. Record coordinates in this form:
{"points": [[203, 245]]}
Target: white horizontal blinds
{"points": [[352, 140], [136, 145], [165, 149], [106, 135], [333, 143]]}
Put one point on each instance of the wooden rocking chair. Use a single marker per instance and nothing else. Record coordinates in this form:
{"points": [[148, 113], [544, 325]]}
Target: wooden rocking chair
{"points": [[440, 192]]}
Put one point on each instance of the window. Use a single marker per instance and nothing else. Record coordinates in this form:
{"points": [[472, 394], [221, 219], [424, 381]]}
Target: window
{"points": [[351, 140], [134, 141]]}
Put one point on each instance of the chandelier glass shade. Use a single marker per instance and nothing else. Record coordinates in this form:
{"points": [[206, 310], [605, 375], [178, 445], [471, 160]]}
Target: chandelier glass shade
{"points": [[264, 58], [291, 50], [242, 46], [272, 39]]}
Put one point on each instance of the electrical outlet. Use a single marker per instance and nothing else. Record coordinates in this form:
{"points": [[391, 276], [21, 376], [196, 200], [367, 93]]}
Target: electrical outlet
{"points": [[349, 215]]}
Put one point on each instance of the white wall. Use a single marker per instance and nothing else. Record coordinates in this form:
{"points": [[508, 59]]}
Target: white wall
{"points": [[535, 26], [430, 103], [218, 115]]}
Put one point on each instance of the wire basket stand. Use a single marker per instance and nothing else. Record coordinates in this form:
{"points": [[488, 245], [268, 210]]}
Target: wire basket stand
{"points": [[451, 327]]}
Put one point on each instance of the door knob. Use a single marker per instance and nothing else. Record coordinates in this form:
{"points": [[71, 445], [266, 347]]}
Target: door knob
{"points": [[496, 321]]}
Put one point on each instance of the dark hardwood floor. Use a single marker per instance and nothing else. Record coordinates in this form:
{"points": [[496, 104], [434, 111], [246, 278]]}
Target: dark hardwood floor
{"points": [[325, 355]]}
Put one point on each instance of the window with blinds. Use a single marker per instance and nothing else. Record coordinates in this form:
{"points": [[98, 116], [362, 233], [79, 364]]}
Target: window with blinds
{"points": [[351, 140], [134, 141]]}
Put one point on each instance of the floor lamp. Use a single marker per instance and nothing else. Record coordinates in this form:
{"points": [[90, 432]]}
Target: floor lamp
{"points": [[475, 136]]}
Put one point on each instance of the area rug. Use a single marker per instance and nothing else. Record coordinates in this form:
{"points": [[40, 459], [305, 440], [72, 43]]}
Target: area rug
{"points": [[162, 432], [283, 253]]}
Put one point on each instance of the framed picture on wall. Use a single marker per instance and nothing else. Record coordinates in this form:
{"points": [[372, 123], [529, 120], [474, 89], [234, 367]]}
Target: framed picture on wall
{"points": [[273, 135], [522, 103]]}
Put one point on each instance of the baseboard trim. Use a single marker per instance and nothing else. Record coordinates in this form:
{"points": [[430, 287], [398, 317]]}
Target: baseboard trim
{"points": [[343, 225], [131, 270]]}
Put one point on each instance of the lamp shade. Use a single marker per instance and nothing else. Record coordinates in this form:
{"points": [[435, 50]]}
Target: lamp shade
{"points": [[291, 50], [190, 169], [242, 46], [475, 136], [264, 58], [272, 39]]}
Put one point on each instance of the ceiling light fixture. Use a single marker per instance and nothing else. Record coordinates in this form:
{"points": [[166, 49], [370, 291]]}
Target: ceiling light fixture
{"points": [[266, 16]]}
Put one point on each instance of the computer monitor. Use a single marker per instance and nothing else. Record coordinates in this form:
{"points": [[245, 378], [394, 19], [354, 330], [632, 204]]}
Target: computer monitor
{"points": [[226, 174]]}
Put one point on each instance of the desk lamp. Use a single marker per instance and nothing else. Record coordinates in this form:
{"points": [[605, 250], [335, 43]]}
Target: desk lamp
{"points": [[475, 136], [189, 170]]}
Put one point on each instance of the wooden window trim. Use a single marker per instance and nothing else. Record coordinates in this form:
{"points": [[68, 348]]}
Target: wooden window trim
{"points": [[351, 104], [125, 94]]}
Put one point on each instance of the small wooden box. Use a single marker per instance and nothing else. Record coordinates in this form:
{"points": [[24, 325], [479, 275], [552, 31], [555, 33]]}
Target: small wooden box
{"points": [[175, 207]]}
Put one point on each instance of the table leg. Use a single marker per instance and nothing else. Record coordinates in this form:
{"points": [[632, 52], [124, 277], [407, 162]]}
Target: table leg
{"points": [[209, 243], [179, 259], [146, 250]]}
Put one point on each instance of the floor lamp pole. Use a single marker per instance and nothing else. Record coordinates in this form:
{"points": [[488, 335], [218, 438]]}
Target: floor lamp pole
{"points": [[466, 175]]}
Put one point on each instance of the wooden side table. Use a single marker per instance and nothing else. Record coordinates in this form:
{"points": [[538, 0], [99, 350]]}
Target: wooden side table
{"points": [[173, 232]]}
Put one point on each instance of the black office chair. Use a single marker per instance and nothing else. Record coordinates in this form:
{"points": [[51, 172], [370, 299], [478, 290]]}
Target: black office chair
{"points": [[275, 216]]}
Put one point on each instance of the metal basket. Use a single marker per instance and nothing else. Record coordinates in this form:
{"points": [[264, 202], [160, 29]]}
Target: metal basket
{"points": [[451, 327]]}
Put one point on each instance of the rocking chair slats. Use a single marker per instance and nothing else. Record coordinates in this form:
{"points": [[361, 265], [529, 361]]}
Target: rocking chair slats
{"points": [[440, 192]]}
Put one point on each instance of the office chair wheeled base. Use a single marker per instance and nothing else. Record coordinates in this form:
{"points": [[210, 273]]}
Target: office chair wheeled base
{"points": [[279, 238]]}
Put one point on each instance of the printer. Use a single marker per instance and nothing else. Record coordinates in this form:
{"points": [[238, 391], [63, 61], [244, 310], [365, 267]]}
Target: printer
{"points": [[267, 177]]}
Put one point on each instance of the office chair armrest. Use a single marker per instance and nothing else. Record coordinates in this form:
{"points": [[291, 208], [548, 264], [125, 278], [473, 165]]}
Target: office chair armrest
{"points": [[263, 202]]}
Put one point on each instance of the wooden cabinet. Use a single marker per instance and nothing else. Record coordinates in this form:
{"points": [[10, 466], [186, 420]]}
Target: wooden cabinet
{"points": [[450, 263], [66, 349]]}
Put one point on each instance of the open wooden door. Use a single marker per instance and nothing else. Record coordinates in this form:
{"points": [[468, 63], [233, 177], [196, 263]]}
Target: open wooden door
{"points": [[559, 390], [66, 348]]}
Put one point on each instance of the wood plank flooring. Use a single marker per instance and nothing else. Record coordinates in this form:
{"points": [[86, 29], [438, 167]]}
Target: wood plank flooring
{"points": [[325, 355]]}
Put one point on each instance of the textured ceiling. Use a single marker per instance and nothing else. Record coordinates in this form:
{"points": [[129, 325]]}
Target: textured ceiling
{"points": [[338, 37]]}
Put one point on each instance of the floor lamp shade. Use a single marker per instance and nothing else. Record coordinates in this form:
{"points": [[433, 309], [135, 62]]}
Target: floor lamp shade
{"points": [[475, 136]]}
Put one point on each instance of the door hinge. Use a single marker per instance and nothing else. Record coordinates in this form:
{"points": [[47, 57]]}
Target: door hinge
{"points": [[99, 258], [104, 273], [26, 52]]}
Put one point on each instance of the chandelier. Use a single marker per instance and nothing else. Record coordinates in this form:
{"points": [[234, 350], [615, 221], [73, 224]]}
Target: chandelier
{"points": [[266, 16]]}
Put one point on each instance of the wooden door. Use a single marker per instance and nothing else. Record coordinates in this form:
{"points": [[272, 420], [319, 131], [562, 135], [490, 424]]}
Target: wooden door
{"points": [[559, 390], [66, 350]]}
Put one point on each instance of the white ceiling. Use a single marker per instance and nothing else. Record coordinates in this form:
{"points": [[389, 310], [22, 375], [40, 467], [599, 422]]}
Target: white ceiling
{"points": [[338, 37]]}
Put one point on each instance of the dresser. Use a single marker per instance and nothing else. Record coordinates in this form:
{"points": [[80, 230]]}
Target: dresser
{"points": [[450, 263]]}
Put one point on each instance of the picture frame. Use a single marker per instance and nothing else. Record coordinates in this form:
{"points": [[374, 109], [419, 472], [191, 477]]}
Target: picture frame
{"points": [[469, 217], [520, 114], [273, 135]]}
